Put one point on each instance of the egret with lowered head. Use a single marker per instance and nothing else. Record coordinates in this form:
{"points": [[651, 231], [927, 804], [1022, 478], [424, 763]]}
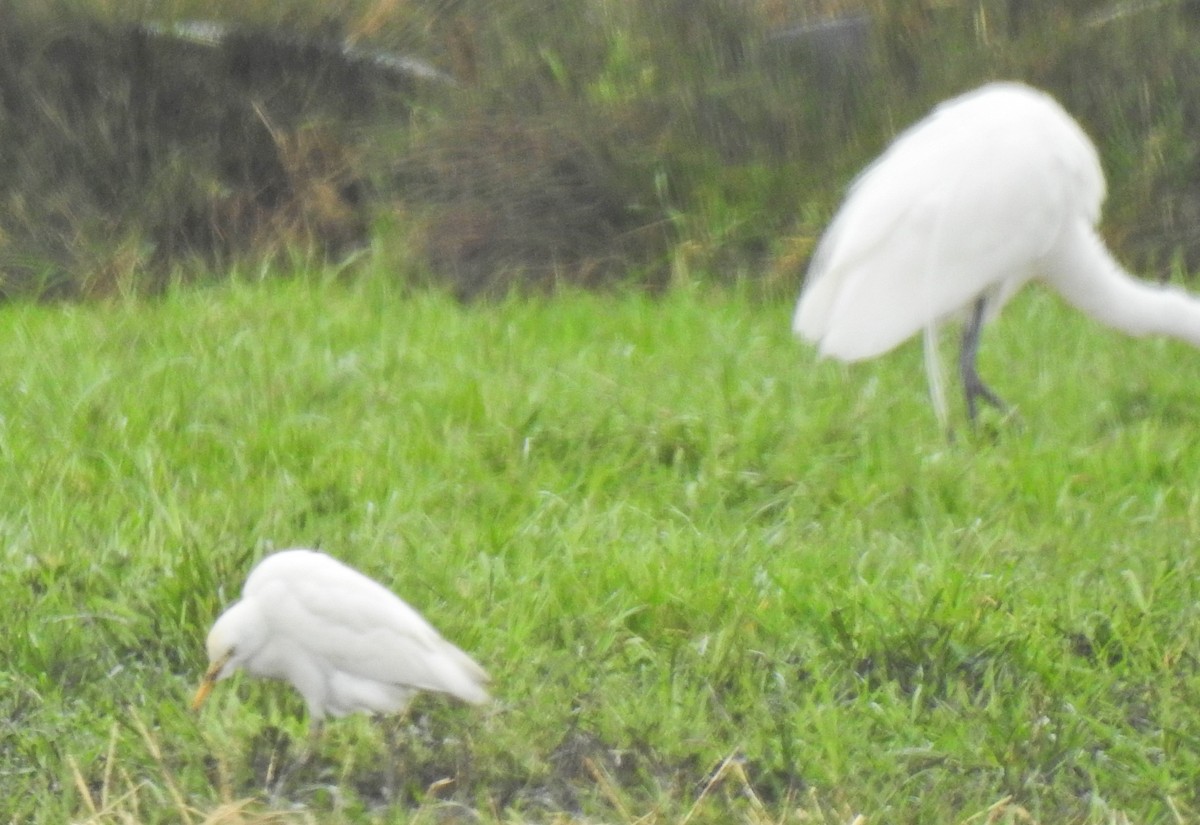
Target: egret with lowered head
{"points": [[344, 641], [994, 188]]}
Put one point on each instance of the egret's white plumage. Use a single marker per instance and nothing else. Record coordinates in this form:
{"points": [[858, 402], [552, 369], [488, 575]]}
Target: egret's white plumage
{"points": [[992, 189], [344, 641]]}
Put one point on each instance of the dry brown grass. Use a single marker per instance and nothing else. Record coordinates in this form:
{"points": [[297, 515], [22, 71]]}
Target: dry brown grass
{"points": [[523, 202]]}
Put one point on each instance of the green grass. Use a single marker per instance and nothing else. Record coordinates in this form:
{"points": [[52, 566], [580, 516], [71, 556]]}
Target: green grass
{"points": [[714, 579]]}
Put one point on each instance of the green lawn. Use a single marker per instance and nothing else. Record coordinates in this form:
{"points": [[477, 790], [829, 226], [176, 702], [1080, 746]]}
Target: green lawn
{"points": [[714, 580]]}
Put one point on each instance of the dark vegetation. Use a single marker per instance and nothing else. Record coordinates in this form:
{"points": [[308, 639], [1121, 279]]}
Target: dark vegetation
{"points": [[582, 142]]}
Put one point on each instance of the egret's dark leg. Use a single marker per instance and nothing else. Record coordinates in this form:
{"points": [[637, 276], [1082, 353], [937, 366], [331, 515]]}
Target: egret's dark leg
{"points": [[973, 386]]}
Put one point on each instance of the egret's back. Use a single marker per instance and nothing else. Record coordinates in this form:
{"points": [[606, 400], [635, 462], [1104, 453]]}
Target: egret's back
{"points": [[374, 650], [968, 202]]}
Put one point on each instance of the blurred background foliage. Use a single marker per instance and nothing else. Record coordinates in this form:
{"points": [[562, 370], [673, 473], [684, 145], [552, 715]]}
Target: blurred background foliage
{"points": [[490, 146]]}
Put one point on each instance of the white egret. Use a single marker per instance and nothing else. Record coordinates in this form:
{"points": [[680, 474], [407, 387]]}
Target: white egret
{"points": [[344, 641], [992, 189]]}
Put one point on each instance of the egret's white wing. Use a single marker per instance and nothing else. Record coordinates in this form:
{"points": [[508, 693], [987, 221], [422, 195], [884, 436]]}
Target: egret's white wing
{"points": [[358, 626], [965, 202]]}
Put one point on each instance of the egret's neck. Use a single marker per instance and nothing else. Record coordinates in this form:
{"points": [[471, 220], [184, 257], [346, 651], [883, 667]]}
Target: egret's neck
{"points": [[1081, 269]]}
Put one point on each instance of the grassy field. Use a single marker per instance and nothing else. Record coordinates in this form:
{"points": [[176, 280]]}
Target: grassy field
{"points": [[714, 580]]}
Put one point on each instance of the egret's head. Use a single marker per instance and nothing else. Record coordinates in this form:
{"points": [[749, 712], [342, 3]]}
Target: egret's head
{"points": [[233, 638]]}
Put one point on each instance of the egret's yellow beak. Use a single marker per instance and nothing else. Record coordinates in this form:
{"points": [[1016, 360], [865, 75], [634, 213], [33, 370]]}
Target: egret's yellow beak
{"points": [[206, 684]]}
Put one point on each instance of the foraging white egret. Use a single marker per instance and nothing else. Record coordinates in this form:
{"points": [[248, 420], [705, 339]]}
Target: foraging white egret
{"points": [[992, 189], [344, 641]]}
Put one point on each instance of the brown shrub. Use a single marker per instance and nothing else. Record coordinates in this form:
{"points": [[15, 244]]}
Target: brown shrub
{"points": [[524, 202], [124, 136]]}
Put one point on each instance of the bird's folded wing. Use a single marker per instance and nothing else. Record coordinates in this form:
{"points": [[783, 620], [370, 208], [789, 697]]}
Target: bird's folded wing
{"points": [[361, 628], [961, 204]]}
